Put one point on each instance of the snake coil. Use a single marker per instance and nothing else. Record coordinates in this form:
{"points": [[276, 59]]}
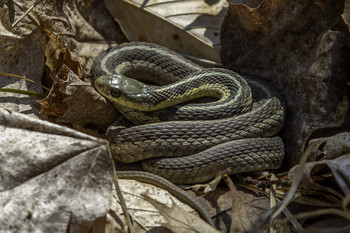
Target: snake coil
{"points": [[234, 134]]}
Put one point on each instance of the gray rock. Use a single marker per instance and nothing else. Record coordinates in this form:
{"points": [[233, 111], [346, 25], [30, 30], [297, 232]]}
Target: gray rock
{"points": [[302, 48]]}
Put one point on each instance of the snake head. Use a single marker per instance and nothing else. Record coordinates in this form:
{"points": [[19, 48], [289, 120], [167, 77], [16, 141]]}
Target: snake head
{"points": [[120, 89]]}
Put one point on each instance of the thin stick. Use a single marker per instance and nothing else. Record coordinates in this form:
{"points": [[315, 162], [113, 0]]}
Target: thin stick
{"points": [[22, 16], [314, 213], [120, 196]]}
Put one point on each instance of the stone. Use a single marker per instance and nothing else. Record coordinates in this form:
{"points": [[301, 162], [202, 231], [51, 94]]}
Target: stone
{"points": [[301, 48]]}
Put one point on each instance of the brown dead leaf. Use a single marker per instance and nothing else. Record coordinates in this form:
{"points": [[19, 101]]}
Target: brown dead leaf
{"points": [[187, 27], [77, 102], [66, 41], [57, 55], [53, 104], [327, 176], [239, 218], [65, 26]]}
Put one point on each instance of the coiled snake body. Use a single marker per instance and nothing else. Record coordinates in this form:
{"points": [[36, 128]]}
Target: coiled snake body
{"points": [[233, 134]]}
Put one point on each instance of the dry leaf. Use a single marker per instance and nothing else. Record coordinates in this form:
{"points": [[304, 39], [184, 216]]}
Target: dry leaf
{"points": [[328, 179], [21, 55], [77, 102], [187, 27], [53, 178], [68, 26], [330, 148], [143, 212], [323, 176], [239, 217], [179, 220], [66, 60]]}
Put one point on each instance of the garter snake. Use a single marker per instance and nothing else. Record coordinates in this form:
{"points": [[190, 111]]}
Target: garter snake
{"points": [[234, 133]]}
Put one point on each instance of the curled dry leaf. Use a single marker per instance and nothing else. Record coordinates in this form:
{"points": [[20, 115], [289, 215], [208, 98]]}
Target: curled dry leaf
{"points": [[330, 148], [329, 175], [53, 178], [57, 54], [49, 19], [187, 27], [94, 31]]}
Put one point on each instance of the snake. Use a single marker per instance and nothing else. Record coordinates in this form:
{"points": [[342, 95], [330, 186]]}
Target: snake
{"points": [[234, 133], [188, 123], [193, 142]]}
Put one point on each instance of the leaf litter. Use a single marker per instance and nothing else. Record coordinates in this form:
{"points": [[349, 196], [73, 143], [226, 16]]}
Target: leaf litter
{"points": [[62, 163]]}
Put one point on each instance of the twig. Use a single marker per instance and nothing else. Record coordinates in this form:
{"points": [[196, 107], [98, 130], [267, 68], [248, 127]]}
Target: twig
{"points": [[138, 222], [300, 174], [120, 196], [314, 213], [22, 16], [273, 198]]}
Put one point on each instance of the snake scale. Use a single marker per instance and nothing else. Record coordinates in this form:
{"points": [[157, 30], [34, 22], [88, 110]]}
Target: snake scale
{"points": [[192, 142]]}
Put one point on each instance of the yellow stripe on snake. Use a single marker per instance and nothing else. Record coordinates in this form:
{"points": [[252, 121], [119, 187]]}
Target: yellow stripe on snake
{"points": [[186, 142]]}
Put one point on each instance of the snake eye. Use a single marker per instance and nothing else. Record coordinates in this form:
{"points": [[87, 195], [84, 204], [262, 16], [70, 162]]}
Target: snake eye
{"points": [[115, 93]]}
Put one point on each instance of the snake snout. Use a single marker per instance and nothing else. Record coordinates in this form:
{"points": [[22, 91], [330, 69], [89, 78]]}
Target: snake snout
{"points": [[102, 84]]}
